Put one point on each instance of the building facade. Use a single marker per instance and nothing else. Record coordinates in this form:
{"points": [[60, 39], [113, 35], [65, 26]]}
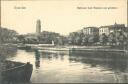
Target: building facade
{"points": [[111, 28], [90, 31]]}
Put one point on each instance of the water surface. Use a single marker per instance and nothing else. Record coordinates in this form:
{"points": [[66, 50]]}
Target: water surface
{"points": [[75, 67]]}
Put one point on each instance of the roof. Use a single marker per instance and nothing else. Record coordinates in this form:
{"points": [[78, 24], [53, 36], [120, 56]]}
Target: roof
{"points": [[113, 26], [90, 27]]}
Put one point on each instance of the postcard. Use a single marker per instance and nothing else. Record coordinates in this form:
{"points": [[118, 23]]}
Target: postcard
{"points": [[63, 41]]}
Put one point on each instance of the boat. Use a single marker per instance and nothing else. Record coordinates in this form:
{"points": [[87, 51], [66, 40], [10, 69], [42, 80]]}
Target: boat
{"points": [[16, 71]]}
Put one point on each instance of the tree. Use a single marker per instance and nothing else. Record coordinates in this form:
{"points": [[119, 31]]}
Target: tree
{"points": [[112, 38], [103, 39], [91, 39], [85, 40], [71, 38], [121, 38], [7, 35], [21, 38], [75, 38]]}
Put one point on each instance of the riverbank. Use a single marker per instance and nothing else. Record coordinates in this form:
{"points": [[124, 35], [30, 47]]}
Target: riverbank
{"points": [[99, 48], [82, 48]]}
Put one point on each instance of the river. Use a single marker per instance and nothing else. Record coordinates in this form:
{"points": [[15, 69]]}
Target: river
{"points": [[75, 67]]}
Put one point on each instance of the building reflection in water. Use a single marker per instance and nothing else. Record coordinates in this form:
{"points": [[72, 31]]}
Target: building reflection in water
{"points": [[37, 57]]}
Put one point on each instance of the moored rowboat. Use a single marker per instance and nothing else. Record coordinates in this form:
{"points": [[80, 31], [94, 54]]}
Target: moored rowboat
{"points": [[17, 72]]}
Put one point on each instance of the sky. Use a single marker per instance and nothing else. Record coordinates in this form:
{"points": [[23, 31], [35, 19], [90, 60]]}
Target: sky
{"points": [[61, 16]]}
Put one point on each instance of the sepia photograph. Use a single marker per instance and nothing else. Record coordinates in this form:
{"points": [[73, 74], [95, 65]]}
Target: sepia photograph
{"points": [[63, 41]]}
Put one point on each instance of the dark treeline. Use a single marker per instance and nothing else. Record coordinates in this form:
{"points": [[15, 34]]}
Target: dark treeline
{"points": [[44, 37], [7, 35], [79, 38]]}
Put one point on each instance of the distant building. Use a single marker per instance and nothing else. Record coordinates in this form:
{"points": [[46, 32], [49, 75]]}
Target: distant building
{"points": [[38, 27], [90, 31], [111, 28]]}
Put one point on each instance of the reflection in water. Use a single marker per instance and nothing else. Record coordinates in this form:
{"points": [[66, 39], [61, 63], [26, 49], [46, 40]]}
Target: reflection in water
{"points": [[116, 62], [37, 56], [53, 55], [113, 61], [76, 67]]}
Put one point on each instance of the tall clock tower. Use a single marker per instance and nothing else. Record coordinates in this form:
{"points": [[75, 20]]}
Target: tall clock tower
{"points": [[38, 26]]}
